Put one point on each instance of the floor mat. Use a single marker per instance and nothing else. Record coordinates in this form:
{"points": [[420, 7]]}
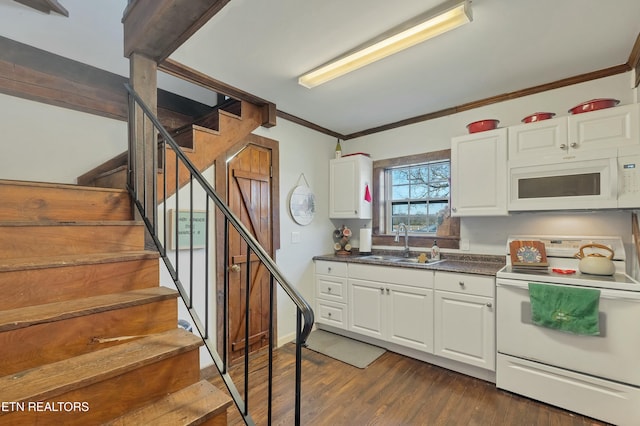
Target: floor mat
{"points": [[343, 349]]}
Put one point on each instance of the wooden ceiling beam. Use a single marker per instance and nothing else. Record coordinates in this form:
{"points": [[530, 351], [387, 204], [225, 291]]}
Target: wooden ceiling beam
{"points": [[156, 28]]}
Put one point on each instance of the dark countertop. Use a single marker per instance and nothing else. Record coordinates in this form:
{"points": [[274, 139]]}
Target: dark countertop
{"points": [[450, 262]]}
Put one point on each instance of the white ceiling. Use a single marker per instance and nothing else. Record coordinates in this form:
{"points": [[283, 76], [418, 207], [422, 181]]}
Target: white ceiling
{"points": [[262, 47]]}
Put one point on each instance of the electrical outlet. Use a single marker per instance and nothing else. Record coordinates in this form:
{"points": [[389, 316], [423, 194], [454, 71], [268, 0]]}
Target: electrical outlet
{"points": [[295, 237]]}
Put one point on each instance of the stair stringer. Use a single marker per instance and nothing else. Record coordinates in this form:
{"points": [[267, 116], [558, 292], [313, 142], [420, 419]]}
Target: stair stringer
{"points": [[208, 145]]}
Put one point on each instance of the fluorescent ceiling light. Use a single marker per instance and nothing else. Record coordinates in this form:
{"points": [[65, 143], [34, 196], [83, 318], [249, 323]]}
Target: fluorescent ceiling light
{"points": [[448, 16]]}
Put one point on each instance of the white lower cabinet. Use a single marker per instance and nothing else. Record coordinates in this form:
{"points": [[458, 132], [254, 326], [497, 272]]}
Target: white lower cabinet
{"points": [[450, 315], [465, 318], [392, 304], [395, 313], [331, 293]]}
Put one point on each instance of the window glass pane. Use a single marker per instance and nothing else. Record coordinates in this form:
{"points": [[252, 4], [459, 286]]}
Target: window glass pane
{"points": [[439, 171], [420, 190], [418, 209], [419, 224], [400, 192], [439, 189], [400, 176], [397, 220], [419, 174], [400, 209], [438, 211]]}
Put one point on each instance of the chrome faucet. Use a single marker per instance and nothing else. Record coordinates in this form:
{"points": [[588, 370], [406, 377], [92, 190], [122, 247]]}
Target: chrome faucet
{"points": [[406, 238]]}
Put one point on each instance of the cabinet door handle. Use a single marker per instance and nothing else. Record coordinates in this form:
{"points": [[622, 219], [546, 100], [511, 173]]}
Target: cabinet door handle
{"points": [[355, 211], [235, 268], [387, 291], [329, 269], [489, 304], [573, 145], [461, 283], [329, 314], [328, 289], [563, 146], [454, 209], [381, 290]]}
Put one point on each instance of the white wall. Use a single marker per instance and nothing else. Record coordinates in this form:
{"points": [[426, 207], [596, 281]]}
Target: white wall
{"points": [[302, 151], [487, 235], [41, 142], [200, 260]]}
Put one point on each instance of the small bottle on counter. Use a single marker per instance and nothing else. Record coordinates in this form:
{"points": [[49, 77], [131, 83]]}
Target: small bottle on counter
{"points": [[435, 251]]}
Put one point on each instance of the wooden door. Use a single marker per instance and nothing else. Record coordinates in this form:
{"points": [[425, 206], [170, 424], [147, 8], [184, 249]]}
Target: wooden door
{"points": [[249, 197]]}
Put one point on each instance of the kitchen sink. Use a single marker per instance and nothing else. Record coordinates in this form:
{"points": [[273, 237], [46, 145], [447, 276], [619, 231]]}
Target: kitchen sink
{"points": [[398, 259], [415, 260], [380, 257]]}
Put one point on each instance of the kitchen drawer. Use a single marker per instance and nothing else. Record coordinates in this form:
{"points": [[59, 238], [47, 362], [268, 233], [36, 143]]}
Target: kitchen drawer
{"points": [[479, 285], [331, 288], [336, 269], [331, 313]]}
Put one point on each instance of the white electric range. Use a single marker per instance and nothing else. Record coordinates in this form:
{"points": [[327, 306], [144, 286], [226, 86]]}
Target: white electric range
{"points": [[597, 376]]}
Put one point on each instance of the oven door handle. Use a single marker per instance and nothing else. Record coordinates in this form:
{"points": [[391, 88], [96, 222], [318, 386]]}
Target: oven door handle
{"points": [[605, 293]]}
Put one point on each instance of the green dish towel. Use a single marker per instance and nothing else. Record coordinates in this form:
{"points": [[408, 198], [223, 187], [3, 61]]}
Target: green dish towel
{"points": [[573, 310]]}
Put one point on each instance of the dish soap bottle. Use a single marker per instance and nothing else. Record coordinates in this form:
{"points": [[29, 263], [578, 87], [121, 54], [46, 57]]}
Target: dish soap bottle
{"points": [[338, 149], [435, 251]]}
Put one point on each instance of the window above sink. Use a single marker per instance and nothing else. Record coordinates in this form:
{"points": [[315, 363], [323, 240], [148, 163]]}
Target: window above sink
{"points": [[430, 204]]}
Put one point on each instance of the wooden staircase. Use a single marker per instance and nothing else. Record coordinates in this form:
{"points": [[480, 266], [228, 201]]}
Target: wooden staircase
{"points": [[87, 334], [203, 141]]}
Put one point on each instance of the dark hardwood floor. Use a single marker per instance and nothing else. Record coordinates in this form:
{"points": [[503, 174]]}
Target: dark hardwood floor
{"points": [[393, 390]]}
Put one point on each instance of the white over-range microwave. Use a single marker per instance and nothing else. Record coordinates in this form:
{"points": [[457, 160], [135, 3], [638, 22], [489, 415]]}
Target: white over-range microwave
{"points": [[598, 179]]}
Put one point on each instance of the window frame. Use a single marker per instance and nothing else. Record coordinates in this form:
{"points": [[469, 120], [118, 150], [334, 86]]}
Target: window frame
{"points": [[382, 236], [411, 200]]}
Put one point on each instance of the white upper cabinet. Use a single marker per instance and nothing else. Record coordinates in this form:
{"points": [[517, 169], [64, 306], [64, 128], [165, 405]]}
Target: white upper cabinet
{"points": [[607, 128], [479, 174], [350, 179]]}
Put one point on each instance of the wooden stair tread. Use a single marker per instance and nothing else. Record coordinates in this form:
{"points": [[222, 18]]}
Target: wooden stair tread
{"points": [[50, 380], [66, 186], [39, 262], [189, 406], [73, 223], [31, 315]]}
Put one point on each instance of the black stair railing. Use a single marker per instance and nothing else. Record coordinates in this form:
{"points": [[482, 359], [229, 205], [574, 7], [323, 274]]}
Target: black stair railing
{"points": [[143, 186]]}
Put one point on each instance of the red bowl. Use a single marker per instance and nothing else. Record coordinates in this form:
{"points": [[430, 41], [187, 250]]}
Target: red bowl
{"points": [[482, 125], [538, 116], [593, 105]]}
